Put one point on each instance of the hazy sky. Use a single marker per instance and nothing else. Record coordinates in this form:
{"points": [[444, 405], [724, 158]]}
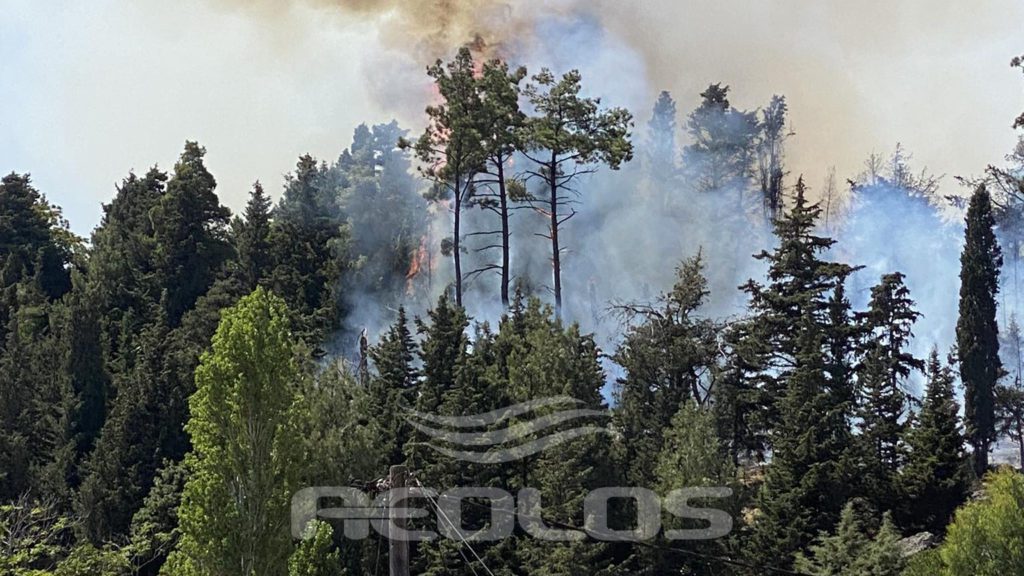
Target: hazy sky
{"points": [[89, 91]]}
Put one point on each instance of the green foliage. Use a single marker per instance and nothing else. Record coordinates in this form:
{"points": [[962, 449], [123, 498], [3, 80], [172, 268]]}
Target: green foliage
{"points": [[86, 560], [668, 353], [569, 136], [246, 457], [976, 330], [310, 246], [316, 556], [855, 549], [882, 380], [797, 354], [31, 537], [986, 537], [936, 477], [190, 232], [722, 152], [450, 150]]}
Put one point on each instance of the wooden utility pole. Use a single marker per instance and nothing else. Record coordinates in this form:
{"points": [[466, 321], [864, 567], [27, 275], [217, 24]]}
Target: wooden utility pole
{"points": [[398, 548]]}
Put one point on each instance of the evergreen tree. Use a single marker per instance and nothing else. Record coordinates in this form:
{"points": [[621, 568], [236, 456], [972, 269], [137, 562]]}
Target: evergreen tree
{"points": [[122, 467], [976, 330], [722, 151], [502, 124], [935, 479], [882, 378], [451, 147], [569, 136], [310, 243], [771, 143], [393, 387], [852, 551], [803, 287], [381, 199], [246, 456], [252, 239], [668, 354], [660, 153], [808, 479], [190, 234]]}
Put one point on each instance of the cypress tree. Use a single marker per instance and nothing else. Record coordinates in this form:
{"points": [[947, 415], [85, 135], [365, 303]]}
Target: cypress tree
{"points": [[977, 333]]}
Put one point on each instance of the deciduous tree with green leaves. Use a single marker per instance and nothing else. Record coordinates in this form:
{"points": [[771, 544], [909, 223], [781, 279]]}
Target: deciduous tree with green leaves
{"points": [[247, 456]]}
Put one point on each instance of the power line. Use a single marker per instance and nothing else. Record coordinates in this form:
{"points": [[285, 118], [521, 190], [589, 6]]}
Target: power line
{"points": [[458, 532]]}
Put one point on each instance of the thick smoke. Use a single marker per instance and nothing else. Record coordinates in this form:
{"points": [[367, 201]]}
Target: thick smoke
{"points": [[623, 245]]}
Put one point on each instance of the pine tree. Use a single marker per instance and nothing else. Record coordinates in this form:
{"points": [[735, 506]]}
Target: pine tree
{"points": [[246, 456], [883, 372], [976, 330], [495, 188], [935, 479], [451, 147], [569, 136]]}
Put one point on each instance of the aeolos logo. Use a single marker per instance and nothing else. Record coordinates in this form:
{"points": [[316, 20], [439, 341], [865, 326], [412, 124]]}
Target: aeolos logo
{"points": [[511, 433]]}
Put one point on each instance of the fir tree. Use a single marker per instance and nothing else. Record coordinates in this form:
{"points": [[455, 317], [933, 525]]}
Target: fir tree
{"points": [[935, 479], [252, 239], [976, 330], [391, 390], [190, 234], [882, 379]]}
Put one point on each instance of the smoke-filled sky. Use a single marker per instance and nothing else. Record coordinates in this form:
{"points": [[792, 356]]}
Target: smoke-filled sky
{"points": [[92, 90]]}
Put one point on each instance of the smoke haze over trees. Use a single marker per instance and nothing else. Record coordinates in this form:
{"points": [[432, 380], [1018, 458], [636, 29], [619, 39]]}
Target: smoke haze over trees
{"points": [[843, 355]]}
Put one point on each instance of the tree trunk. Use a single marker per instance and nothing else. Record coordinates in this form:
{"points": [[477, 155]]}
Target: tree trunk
{"points": [[503, 198], [981, 458], [456, 243], [556, 261]]}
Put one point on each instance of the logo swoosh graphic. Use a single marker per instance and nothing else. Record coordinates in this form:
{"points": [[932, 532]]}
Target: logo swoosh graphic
{"points": [[515, 432], [521, 451], [507, 440], [494, 416]]}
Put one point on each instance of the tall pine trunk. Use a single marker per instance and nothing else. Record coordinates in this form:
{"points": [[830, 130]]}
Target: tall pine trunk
{"points": [[556, 261], [456, 242], [503, 199]]}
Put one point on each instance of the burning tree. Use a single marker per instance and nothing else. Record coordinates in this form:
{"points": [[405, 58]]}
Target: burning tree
{"points": [[569, 136], [450, 147]]}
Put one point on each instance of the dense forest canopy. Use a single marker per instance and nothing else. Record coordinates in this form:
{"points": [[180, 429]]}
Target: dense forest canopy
{"points": [[840, 360]]}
